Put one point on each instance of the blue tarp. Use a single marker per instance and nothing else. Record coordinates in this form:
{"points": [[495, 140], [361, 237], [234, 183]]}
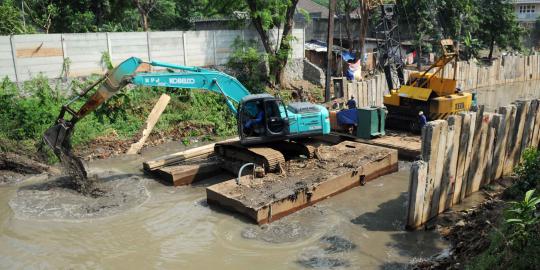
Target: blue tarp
{"points": [[347, 117], [347, 56]]}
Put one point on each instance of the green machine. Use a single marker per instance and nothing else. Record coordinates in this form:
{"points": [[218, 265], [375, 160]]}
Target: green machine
{"points": [[371, 122]]}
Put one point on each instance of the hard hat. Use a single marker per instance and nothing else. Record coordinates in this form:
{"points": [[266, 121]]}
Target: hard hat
{"points": [[420, 112]]}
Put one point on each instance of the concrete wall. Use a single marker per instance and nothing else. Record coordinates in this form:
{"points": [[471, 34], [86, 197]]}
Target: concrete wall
{"points": [[466, 152], [25, 56]]}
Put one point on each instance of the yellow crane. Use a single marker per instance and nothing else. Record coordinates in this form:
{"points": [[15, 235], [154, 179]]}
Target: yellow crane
{"points": [[429, 92]]}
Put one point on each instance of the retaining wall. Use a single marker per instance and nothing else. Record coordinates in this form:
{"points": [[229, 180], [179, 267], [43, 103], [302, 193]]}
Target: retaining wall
{"points": [[25, 56], [467, 151]]}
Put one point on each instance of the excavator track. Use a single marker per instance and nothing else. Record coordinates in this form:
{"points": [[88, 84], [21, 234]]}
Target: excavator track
{"points": [[271, 156], [267, 157]]}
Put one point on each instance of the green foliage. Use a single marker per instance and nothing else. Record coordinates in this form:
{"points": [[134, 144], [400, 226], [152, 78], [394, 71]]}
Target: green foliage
{"points": [[24, 118], [527, 172], [10, 19], [471, 46], [498, 24], [521, 219], [517, 244], [106, 60], [248, 65]]}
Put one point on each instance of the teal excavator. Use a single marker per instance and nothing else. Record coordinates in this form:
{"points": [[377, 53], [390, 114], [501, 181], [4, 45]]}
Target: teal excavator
{"points": [[269, 130]]}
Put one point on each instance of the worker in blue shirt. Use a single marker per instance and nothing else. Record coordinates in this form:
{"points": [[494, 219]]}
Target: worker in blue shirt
{"points": [[250, 123], [351, 104], [422, 119]]}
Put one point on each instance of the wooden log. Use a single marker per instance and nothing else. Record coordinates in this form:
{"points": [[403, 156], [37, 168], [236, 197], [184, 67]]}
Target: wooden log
{"points": [[417, 189], [187, 174], [198, 152], [160, 106], [450, 162]]}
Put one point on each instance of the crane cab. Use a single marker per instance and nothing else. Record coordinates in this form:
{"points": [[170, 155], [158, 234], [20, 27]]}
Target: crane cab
{"points": [[262, 118]]}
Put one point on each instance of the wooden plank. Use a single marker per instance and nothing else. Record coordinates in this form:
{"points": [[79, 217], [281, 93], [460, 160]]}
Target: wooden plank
{"points": [[431, 137], [160, 106], [490, 148], [468, 153], [475, 154], [462, 153], [513, 156], [529, 125], [181, 175], [511, 123], [450, 162], [501, 136], [437, 181], [417, 188], [477, 165], [536, 132], [162, 161]]}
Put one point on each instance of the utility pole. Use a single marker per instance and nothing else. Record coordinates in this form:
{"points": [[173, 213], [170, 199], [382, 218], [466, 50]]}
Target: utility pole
{"points": [[330, 45]]}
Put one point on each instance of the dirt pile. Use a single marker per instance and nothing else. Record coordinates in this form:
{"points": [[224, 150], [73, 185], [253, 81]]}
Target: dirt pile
{"points": [[468, 232], [14, 168], [56, 198], [301, 174]]}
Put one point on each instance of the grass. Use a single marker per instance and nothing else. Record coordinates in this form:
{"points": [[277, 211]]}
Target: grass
{"points": [[515, 243], [24, 117]]}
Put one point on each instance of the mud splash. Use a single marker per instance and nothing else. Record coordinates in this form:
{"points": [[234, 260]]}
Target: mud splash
{"points": [[57, 198]]}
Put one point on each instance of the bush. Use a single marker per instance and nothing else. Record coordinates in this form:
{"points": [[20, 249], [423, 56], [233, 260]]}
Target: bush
{"points": [[248, 65], [24, 118], [517, 244], [528, 173]]}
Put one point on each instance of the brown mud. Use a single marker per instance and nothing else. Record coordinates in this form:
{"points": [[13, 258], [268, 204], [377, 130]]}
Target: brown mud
{"points": [[56, 198], [467, 230], [14, 168], [300, 174]]}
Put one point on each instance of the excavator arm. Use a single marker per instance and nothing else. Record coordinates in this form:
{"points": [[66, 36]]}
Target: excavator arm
{"points": [[57, 137]]}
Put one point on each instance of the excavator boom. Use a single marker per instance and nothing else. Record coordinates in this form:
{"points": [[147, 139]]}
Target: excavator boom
{"points": [[282, 123]]}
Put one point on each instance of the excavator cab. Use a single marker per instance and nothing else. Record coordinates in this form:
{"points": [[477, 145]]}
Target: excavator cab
{"points": [[262, 118]]}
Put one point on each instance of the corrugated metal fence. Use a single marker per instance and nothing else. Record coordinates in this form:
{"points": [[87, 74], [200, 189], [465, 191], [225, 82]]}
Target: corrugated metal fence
{"points": [[24, 56]]}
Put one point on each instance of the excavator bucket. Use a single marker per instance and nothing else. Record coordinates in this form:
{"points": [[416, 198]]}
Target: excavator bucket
{"points": [[56, 136]]}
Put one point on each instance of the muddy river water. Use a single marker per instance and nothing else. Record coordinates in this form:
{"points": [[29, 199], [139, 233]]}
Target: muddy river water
{"points": [[174, 228]]}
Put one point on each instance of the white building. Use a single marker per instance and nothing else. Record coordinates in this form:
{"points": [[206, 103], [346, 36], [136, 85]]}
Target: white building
{"points": [[527, 11]]}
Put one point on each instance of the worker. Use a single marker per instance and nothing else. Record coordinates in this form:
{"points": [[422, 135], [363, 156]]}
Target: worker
{"points": [[422, 119], [259, 117], [351, 103]]}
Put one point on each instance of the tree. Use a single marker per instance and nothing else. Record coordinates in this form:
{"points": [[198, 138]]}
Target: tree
{"points": [[42, 13], [498, 25], [267, 15], [347, 7], [423, 22], [10, 19], [145, 7]]}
